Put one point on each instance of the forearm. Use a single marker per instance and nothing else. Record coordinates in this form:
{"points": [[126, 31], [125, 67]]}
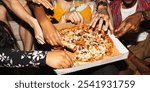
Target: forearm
{"points": [[19, 10], [39, 13], [42, 18], [16, 58]]}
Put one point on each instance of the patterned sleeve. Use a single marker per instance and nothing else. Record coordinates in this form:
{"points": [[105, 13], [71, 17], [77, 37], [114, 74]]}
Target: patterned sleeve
{"points": [[16, 58]]}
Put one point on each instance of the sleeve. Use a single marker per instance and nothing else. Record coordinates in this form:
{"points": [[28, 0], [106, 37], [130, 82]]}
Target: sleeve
{"points": [[16, 58]]}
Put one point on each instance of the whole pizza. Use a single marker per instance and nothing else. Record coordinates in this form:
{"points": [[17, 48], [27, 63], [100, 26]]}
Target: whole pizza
{"points": [[89, 44]]}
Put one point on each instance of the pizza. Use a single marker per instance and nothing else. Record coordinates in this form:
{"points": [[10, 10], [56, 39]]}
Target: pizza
{"points": [[89, 44]]}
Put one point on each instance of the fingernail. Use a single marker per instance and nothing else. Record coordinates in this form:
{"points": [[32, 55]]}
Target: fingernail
{"points": [[99, 29], [105, 29], [42, 43]]}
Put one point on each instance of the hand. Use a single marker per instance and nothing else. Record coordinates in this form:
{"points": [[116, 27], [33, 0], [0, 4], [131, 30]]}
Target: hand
{"points": [[131, 23], [74, 17], [59, 59], [38, 32], [101, 16], [45, 3], [51, 35]]}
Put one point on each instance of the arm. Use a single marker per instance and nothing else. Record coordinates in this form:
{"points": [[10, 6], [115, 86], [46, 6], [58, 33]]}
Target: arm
{"points": [[51, 35], [16, 58], [18, 9], [132, 23]]}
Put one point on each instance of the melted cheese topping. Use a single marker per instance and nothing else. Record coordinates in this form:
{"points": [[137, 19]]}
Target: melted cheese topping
{"points": [[91, 45]]}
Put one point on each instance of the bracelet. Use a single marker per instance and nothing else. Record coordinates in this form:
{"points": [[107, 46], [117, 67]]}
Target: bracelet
{"points": [[144, 14]]}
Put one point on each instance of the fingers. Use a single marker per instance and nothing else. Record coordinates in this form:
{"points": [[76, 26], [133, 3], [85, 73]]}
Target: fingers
{"points": [[100, 24], [105, 18], [111, 27], [76, 18], [94, 21], [105, 28], [119, 30], [54, 39], [81, 18], [93, 14], [47, 4], [67, 61], [50, 41], [101, 18], [40, 42], [120, 27], [125, 27], [40, 39], [59, 39], [72, 18], [64, 64]]}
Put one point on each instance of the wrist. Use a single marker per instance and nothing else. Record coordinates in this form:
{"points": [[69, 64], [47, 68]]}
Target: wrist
{"points": [[44, 22], [32, 22]]}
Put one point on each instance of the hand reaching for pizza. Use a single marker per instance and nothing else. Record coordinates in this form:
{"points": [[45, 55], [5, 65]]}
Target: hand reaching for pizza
{"points": [[51, 35], [101, 19], [131, 23], [45, 3], [74, 17], [59, 59]]}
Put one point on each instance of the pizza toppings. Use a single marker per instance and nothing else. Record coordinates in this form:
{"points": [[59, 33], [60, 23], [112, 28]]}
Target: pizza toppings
{"points": [[90, 45]]}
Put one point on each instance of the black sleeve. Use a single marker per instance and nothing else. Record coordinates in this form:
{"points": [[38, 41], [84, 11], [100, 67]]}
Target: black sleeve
{"points": [[17, 58]]}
